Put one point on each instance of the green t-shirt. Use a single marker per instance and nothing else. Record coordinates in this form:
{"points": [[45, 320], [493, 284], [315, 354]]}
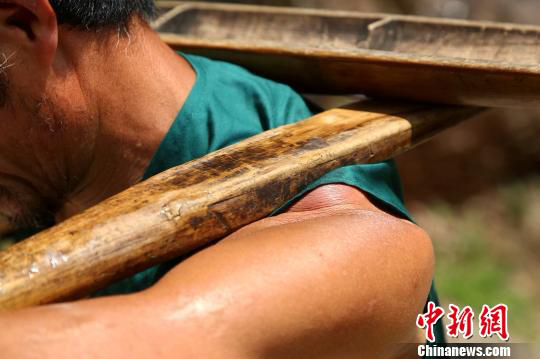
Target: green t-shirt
{"points": [[229, 104]]}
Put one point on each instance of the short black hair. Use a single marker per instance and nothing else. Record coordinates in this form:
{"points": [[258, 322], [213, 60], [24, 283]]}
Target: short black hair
{"points": [[92, 14]]}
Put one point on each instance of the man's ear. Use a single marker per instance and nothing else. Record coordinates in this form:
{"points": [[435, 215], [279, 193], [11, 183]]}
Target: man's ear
{"points": [[29, 25]]}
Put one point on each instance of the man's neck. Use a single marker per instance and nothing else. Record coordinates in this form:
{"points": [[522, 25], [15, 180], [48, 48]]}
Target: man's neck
{"points": [[144, 86]]}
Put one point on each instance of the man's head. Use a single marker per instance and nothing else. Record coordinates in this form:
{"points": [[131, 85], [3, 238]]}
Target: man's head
{"points": [[93, 14], [87, 15], [50, 52]]}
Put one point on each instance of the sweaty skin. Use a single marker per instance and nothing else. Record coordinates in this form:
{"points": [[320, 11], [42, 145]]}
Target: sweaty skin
{"points": [[334, 277]]}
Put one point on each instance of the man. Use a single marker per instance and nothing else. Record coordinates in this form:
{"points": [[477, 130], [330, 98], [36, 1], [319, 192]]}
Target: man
{"points": [[92, 102]]}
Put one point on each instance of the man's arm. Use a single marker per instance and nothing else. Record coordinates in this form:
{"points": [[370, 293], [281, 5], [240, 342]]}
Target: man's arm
{"points": [[333, 277]]}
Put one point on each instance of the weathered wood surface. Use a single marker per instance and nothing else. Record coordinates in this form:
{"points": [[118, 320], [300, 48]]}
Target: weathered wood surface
{"points": [[336, 52], [202, 201]]}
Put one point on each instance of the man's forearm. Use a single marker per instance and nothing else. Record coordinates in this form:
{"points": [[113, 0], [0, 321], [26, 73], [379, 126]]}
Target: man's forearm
{"points": [[115, 327], [84, 329]]}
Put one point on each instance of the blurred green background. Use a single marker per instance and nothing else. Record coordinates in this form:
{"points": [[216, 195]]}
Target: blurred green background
{"points": [[475, 188]]}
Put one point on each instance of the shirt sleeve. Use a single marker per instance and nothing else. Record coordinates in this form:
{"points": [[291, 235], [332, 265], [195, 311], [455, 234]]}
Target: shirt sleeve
{"points": [[380, 180]]}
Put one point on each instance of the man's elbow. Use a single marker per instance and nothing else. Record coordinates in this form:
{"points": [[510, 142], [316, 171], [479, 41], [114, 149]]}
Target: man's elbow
{"points": [[408, 253], [417, 243], [423, 264]]}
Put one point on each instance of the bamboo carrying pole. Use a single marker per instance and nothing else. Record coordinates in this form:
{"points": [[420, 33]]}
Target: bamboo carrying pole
{"points": [[204, 200]]}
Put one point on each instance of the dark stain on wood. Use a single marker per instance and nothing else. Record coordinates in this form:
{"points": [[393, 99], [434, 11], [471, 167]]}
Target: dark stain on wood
{"points": [[195, 222]]}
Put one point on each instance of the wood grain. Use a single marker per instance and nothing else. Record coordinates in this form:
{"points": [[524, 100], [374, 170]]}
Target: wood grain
{"points": [[202, 201], [336, 52]]}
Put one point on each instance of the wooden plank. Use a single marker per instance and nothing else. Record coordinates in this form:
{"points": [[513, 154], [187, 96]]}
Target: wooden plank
{"points": [[202, 201], [337, 52]]}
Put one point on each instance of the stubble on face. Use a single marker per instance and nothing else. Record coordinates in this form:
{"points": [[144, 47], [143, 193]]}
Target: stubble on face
{"points": [[19, 211], [20, 207], [5, 64], [4, 85]]}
